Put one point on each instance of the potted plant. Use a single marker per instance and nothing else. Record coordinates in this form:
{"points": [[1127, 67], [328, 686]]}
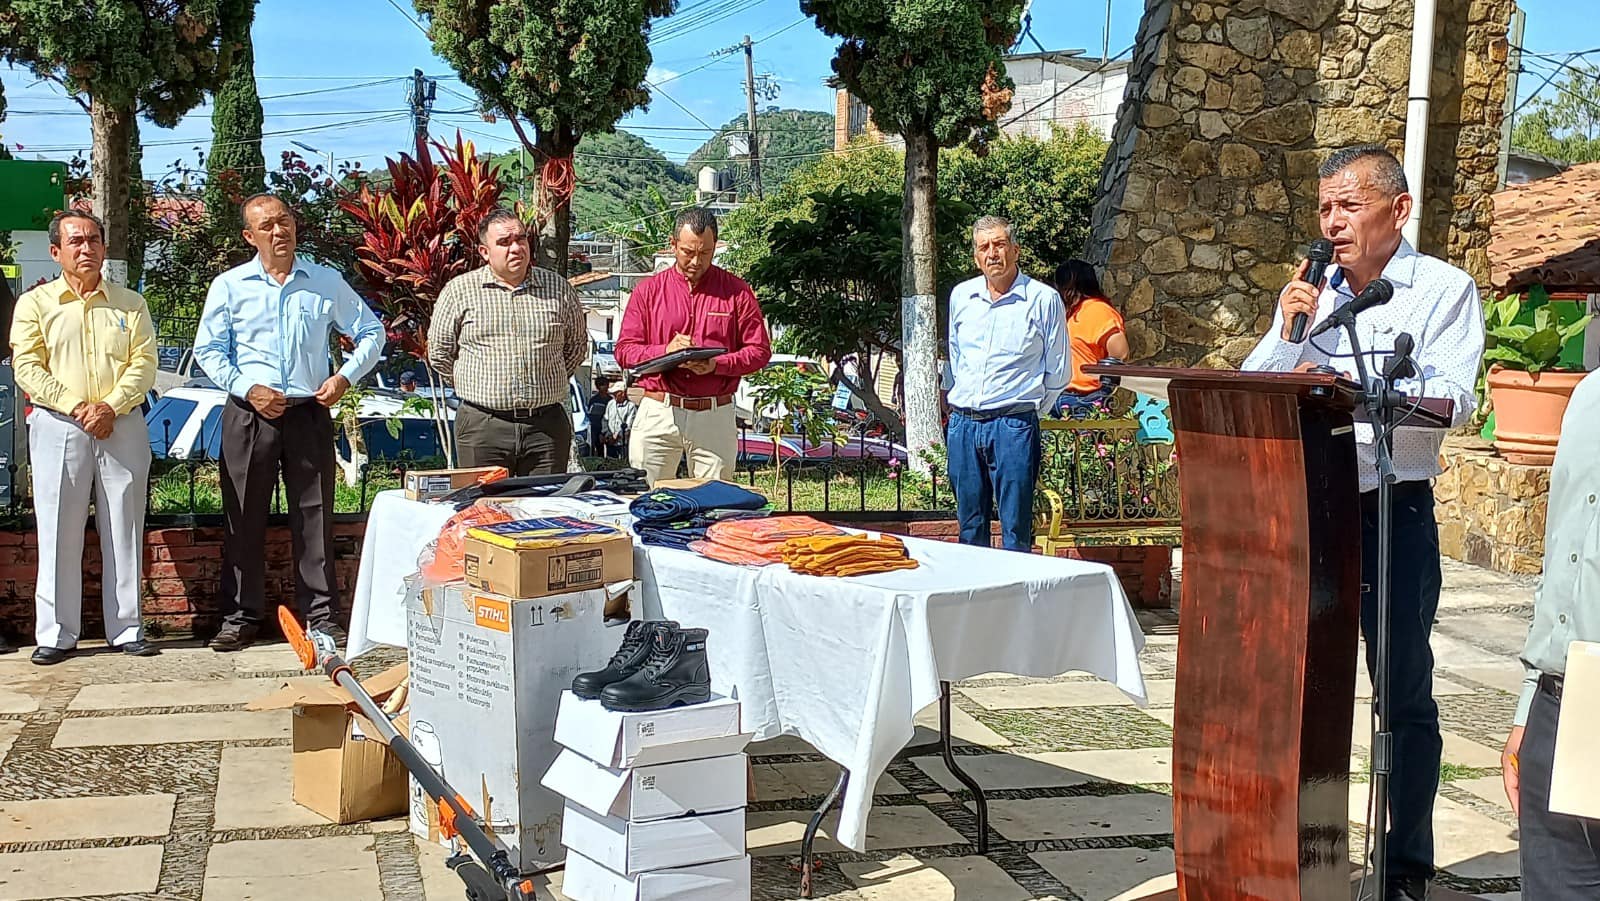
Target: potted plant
{"points": [[1528, 386]]}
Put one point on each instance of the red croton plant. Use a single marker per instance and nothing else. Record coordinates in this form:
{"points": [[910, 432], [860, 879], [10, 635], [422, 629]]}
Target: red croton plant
{"points": [[419, 231]]}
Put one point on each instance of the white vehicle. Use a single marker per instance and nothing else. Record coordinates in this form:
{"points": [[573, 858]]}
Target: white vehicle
{"points": [[745, 400], [186, 424]]}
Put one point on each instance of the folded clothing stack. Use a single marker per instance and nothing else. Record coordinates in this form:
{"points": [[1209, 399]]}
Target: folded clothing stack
{"points": [[681, 533], [846, 555], [758, 542], [666, 505]]}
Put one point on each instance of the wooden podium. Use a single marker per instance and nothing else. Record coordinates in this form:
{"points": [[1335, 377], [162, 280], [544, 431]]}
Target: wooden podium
{"points": [[1267, 633]]}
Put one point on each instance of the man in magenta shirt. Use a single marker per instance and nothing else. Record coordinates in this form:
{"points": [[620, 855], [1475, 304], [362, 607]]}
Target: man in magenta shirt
{"points": [[689, 409]]}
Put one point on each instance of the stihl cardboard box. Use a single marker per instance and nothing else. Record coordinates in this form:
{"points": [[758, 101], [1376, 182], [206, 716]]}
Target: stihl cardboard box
{"points": [[646, 793], [623, 740], [343, 769], [487, 672], [633, 848], [430, 484], [725, 880], [533, 558]]}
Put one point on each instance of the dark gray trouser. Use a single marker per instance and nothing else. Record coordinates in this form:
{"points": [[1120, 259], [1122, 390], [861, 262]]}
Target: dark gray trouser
{"points": [[1560, 853], [254, 450], [534, 444]]}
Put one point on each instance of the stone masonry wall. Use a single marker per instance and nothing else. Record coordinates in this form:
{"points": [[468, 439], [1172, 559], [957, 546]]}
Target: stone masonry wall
{"points": [[1208, 195], [1491, 513]]}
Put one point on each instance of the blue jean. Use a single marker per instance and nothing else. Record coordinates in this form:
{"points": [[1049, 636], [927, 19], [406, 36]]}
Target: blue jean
{"points": [[1414, 716], [994, 465]]}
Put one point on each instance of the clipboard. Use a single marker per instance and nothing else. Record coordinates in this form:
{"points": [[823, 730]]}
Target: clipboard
{"points": [[1574, 779], [675, 359]]}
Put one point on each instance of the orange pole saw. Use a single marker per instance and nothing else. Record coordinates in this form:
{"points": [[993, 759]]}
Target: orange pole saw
{"points": [[491, 877]]}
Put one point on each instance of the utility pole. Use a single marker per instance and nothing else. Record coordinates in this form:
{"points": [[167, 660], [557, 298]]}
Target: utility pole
{"points": [[419, 96], [1519, 21], [750, 99]]}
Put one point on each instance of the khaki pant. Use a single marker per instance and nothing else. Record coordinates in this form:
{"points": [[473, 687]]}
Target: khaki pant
{"points": [[70, 471], [663, 434]]}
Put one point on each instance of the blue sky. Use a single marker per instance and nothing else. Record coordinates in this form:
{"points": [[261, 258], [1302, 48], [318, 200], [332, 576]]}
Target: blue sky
{"points": [[339, 49]]}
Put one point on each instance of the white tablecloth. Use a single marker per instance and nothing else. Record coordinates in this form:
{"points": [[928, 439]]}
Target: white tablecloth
{"points": [[845, 664], [397, 531]]}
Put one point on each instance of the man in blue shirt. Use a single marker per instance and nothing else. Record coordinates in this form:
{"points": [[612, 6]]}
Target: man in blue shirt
{"points": [[1008, 363], [263, 338]]}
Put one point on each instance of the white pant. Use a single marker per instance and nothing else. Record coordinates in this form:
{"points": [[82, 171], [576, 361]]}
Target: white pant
{"points": [[69, 470], [662, 434]]}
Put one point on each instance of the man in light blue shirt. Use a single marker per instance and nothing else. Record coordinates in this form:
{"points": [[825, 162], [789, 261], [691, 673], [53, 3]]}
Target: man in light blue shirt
{"points": [[1008, 364], [263, 338]]}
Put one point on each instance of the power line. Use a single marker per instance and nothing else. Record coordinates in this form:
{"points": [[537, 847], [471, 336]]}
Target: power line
{"points": [[266, 134], [348, 87], [680, 26], [1548, 78], [1104, 64], [675, 103], [409, 18]]}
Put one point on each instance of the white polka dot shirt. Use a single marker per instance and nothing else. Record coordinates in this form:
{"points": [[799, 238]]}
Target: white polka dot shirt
{"points": [[1438, 305]]}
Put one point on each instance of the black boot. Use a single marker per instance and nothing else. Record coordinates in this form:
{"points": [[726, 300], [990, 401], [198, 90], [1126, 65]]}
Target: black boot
{"points": [[635, 650], [675, 674]]}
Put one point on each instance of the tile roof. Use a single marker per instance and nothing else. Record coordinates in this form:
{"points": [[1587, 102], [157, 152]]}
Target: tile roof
{"points": [[1547, 232], [589, 278]]}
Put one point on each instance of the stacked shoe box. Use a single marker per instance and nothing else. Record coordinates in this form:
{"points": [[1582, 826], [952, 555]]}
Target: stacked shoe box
{"points": [[655, 798]]}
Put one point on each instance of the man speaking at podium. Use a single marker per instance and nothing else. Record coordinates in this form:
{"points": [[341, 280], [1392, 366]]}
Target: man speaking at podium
{"points": [[1364, 203]]}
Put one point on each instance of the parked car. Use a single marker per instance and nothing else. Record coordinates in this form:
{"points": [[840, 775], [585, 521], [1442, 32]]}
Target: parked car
{"points": [[176, 367], [186, 424], [604, 360]]}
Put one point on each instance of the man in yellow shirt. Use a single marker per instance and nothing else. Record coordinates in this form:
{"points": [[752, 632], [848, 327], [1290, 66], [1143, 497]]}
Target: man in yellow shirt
{"points": [[84, 351]]}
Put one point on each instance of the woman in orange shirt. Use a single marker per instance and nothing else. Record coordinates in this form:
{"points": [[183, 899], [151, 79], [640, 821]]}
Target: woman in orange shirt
{"points": [[1094, 331]]}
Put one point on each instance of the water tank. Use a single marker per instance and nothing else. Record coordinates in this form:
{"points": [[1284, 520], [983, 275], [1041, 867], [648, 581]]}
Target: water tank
{"points": [[710, 180]]}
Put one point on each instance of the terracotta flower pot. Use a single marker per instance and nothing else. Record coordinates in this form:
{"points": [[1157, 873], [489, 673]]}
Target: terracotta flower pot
{"points": [[1527, 412]]}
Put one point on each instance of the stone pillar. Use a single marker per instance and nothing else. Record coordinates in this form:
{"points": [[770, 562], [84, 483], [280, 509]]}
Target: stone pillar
{"points": [[1208, 194]]}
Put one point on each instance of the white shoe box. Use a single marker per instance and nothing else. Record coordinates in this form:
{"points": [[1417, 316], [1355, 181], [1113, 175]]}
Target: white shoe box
{"points": [[725, 880], [634, 848], [626, 740], [659, 792]]}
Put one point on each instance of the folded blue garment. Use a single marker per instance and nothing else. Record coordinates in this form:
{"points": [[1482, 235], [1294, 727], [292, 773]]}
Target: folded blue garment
{"points": [[671, 504], [679, 532]]}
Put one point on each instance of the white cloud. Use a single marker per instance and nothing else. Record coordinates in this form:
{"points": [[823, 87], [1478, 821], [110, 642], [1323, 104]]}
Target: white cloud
{"points": [[659, 74]]}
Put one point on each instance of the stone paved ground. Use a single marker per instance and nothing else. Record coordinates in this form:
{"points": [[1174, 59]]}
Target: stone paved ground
{"points": [[145, 779]]}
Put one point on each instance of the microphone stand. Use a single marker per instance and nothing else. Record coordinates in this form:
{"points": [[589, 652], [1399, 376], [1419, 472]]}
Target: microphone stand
{"points": [[1382, 401]]}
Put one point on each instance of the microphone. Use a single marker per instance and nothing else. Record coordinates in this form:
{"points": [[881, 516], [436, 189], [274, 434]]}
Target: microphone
{"points": [[1375, 294], [1320, 254]]}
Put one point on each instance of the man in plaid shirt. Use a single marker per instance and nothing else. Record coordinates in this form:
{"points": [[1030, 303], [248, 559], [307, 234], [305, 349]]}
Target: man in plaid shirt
{"points": [[509, 336]]}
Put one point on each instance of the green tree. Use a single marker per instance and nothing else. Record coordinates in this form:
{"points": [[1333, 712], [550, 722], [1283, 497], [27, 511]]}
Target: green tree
{"points": [[615, 170], [789, 139], [1047, 188], [931, 71], [235, 168], [1564, 124], [568, 67], [117, 58]]}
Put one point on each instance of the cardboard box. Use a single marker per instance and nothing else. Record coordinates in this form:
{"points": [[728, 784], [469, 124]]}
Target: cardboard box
{"points": [[624, 740], [532, 558], [725, 880], [430, 484], [343, 769], [486, 675], [645, 793], [633, 848]]}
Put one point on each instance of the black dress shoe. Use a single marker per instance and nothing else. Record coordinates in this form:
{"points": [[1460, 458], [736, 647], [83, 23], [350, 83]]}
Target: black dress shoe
{"points": [[234, 638], [140, 648], [675, 674], [48, 656], [635, 650], [1407, 888], [334, 631]]}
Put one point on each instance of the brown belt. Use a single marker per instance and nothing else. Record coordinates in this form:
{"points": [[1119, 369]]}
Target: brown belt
{"points": [[698, 404]]}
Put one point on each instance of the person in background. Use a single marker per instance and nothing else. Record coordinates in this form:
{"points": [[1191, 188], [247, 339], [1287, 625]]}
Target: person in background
{"points": [[408, 382], [1560, 853], [1094, 331], [1008, 365], [689, 409], [263, 338], [599, 399], [84, 351], [620, 412], [509, 335]]}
